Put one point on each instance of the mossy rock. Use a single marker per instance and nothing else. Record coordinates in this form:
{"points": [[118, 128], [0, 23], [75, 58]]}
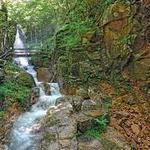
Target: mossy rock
{"points": [[25, 79]]}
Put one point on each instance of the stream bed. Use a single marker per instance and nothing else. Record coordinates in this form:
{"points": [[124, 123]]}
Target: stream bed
{"points": [[23, 134]]}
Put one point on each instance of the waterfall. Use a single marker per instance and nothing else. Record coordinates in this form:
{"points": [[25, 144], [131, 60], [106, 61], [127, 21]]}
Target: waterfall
{"points": [[23, 133]]}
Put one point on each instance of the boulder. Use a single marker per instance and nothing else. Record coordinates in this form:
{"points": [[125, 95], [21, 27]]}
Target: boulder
{"points": [[35, 94], [44, 75], [47, 89], [60, 128]]}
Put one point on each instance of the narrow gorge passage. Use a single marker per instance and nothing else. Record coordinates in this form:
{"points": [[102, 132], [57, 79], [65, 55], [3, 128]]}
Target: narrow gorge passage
{"points": [[23, 133], [97, 52]]}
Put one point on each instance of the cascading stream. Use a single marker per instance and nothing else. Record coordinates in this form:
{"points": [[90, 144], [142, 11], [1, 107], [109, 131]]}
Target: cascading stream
{"points": [[23, 133]]}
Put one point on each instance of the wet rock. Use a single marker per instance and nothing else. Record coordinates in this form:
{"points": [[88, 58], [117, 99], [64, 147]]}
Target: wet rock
{"points": [[35, 93], [44, 75], [62, 124], [47, 89]]}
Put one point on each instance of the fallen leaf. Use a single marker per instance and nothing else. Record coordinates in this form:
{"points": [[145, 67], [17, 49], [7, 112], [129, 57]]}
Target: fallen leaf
{"points": [[135, 128]]}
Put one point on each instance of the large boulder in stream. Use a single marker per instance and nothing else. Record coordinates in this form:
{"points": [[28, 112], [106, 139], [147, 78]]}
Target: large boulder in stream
{"points": [[44, 75]]}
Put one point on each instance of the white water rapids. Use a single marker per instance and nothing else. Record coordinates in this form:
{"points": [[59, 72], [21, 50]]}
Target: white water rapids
{"points": [[23, 134]]}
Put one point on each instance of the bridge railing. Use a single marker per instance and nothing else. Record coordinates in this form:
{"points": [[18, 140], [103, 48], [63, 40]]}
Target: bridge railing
{"points": [[27, 52]]}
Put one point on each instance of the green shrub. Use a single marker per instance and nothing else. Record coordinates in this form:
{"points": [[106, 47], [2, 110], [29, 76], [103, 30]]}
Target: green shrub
{"points": [[13, 92], [99, 127]]}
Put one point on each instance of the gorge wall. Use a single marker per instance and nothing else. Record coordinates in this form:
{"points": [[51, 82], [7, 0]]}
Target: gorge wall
{"points": [[112, 60]]}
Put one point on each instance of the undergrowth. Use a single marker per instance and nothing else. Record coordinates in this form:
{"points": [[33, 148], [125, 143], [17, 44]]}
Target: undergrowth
{"points": [[14, 92], [99, 127]]}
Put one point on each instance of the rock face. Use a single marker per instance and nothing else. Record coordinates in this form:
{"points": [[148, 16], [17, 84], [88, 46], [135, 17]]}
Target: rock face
{"points": [[140, 67], [118, 53], [122, 42], [116, 31], [60, 129], [63, 123]]}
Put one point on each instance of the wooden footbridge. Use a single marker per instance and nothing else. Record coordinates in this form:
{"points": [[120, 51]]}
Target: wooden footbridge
{"points": [[22, 52]]}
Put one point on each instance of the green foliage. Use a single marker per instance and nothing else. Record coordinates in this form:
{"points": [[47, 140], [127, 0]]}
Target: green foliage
{"points": [[16, 88], [41, 59], [73, 32], [128, 40], [92, 133], [48, 137], [7, 29], [30, 13], [102, 123], [13, 92], [10, 68], [105, 4], [100, 126], [115, 79]]}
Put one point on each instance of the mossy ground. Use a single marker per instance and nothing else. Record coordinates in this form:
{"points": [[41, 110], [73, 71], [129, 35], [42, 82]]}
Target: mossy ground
{"points": [[15, 87]]}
